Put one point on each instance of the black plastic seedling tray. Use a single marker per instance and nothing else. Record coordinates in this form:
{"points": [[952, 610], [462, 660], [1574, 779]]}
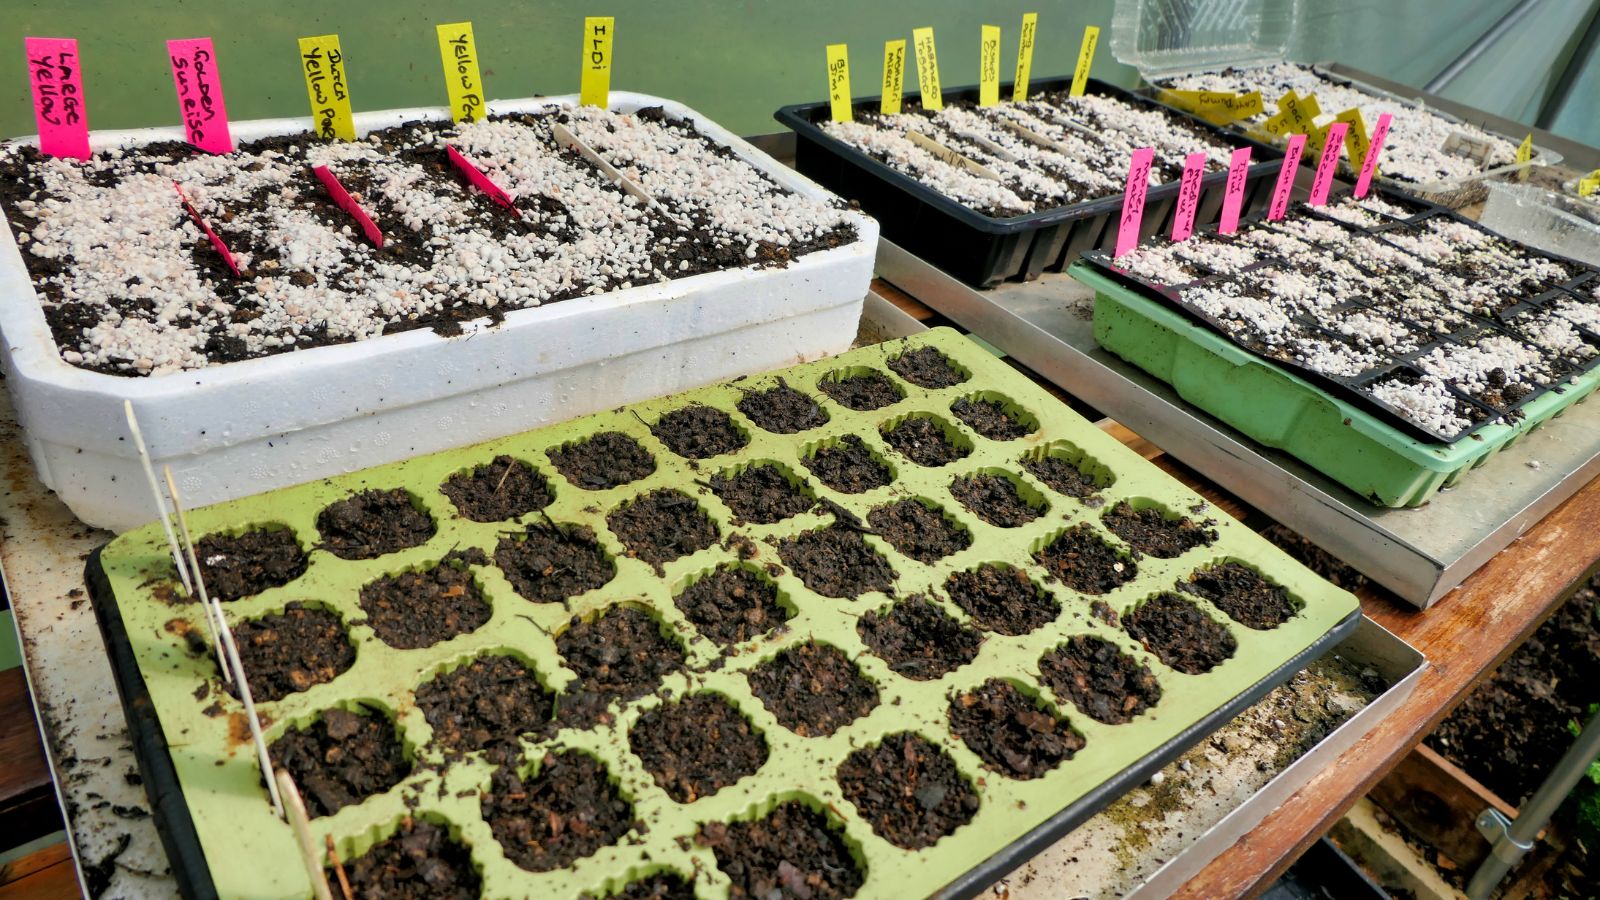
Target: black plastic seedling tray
{"points": [[983, 250]]}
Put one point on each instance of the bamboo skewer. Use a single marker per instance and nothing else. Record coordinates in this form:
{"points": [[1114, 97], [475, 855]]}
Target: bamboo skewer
{"points": [[301, 823]]}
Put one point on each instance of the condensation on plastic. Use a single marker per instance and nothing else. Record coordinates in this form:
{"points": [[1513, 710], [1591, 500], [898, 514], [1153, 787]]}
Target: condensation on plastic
{"points": [[1553, 222], [1165, 38]]}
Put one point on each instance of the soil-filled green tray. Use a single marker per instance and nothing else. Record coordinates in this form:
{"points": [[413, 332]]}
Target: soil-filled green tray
{"points": [[883, 624]]}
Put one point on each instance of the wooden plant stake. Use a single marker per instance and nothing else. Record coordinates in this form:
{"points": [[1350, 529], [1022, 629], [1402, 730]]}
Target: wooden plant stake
{"points": [[296, 809]]}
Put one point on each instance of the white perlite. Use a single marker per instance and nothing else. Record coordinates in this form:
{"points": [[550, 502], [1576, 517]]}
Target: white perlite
{"points": [[1426, 401]]}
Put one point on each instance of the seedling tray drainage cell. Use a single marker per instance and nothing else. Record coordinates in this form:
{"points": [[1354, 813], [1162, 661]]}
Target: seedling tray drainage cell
{"points": [[733, 637]]}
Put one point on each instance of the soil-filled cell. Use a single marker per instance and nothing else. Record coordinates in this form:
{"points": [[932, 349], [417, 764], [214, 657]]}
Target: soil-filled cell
{"points": [[813, 689], [502, 489], [926, 441], [848, 466], [793, 851], [1083, 561], [926, 367], [660, 886], [662, 526], [618, 655], [761, 494], [239, 565], [836, 562], [489, 702], [697, 747], [908, 790], [732, 604], [284, 653], [861, 389], [1243, 595], [1151, 531], [1102, 681], [699, 432], [607, 460], [919, 530], [419, 861], [1002, 599], [782, 410], [919, 640], [1010, 731], [1180, 634], [341, 759], [368, 524], [993, 418], [1069, 473], [995, 499], [549, 564], [565, 812], [412, 610]]}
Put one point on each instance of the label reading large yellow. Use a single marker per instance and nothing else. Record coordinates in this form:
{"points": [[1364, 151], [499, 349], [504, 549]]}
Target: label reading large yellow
{"points": [[1019, 87], [1355, 137], [461, 78], [894, 77], [595, 87], [323, 66], [1080, 76], [927, 68], [839, 82], [1216, 107], [989, 65]]}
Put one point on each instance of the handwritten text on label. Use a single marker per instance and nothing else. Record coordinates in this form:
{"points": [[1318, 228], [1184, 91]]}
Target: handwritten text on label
{"points": [[1133, 200], [194, 74], [322, 63], [53, 72], [1194, 169], [1285, 185], [927, 69], [1080, 76], [894, 77], [1323, 183], [1369, 164], [595, 85], [839, 82], [1019, 87], [459, 54], [1233, 195], [989, 66]]}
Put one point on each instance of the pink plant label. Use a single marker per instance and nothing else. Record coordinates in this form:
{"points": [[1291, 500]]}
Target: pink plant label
{"points": [[194, 74], [1194, 169], [216, 242], [1233, 196], [479, 180], [1369, 166], [348, 204], [57, 82], [1328, 164], [1133, 200], [1285, 185]]}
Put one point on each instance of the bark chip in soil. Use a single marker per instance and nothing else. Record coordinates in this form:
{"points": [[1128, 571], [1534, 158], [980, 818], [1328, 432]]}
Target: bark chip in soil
{"points": [[990, 419], [908, 790], [1103, 682], [919, 530], [924, 441], [836, 562], [782, 410], [287, 652], [489, 702], [1180, 634], [919, 640], [550, 564], [793, 851], [661, 526], [413, 610], [761, 494], [697, 747], [1243, 594], [732, 604], [926, 367], [418, 862], [504, 488], [848, 466], [862, 391], [239, 565], [342, 758], [606, 460], [698, 431], [1082, 560], [994, 499], [1062, 476], [1149, 530], [813, 689], [619, 655], [568, 811], [370, 523], [1002, 599], [1012, 732]]}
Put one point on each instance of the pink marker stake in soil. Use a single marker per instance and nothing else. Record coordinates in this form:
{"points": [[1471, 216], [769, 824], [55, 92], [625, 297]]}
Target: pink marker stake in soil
{"points": [[194, 74], [1285, 185], [1194, 169], [57, 82], [1369, 166], [216, 242], [1133, 200], [1233, 196], [1328, 164], [480, 180], [349, 205]]}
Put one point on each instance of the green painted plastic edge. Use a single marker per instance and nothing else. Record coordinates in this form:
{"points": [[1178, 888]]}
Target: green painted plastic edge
{"points": [[252, 854], [1281, 410]]}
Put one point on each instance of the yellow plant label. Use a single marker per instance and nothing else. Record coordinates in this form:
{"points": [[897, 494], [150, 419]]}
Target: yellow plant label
{"points": [[1216, 107], [894, 77], [839, 82], [461, 78], [1080, 76], [1019, 87], [594, 89], [1589, 184], [323, 66], [989, 65], [1355, 137], [927, 69]]}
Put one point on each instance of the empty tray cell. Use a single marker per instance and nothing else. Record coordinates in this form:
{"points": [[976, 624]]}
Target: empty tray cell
{"points": [[999, 497], [1180, 634], [793, 843], [1002, 598], [813, 689], [487, 701], [908, 790], [926, 439], [496, 491], [926, 367], [371, 523], [1067, 470], [860, 388], [551, 563], [342, 758], [918, 639], [733, 603], [1013, 731], [918, 528], [1084, 561], [248, 562], [419, 858], [672, 741], [290, 651], [662, 526], [561, 809], [847, 465], [782, 409], [420, 608], [995, 416], [836, 562], [698, 431], [1243, 594], [762, 493], [1158, 532], [620, 654], [1101, 679], [603, 461]]}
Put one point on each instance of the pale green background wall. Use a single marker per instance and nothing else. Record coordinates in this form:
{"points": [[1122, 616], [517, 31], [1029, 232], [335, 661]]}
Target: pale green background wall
{"points": [[735, 60]]}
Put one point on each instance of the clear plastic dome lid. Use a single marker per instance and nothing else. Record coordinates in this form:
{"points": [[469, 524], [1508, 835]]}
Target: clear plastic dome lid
{"points": [[1163, 38]]}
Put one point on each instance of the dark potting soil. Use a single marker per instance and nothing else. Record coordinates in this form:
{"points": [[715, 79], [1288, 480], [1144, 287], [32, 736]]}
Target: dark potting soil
{"points": [[699, 432], [419, 862], [994, 499], [1180, 635], [569, 810], [782, 410], [341, 759], [926, 535], [290, 651], [661, 526], [1103, 682], [926, 367], [1080, 559], [501, 489], [836, 562], [908, 790], [660, 886], [862, 392], [848, 466], [239, 565], [921, 440], [1002, 599], [990, 419], [793, 851], [697, 747], [761, 495], [412, 610], [620, 655], [1149, 531], [732, 604], [488, 702], [919, 640], [370, 523], [1241, 593], [813, 689], [607, 460], [547, 564], [1010, 731], [1061, 476], [1315, 558]]}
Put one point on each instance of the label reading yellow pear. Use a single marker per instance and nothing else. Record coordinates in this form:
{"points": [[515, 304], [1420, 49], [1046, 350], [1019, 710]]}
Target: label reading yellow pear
{"points": [[595, 86], [1019, 88], [989, 65], [839, 82], [461, 79], [927, 69], [1080, 77], [894, 77], [323, 66]]}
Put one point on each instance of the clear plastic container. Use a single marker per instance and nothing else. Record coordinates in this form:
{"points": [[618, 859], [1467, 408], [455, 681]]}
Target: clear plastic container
{"points": [[1163, 38], [1556, 223]]}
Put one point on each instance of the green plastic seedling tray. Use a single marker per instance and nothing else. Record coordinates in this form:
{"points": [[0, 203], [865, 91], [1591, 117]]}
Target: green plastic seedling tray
{"points": [[1281, 410], [225, 839]]}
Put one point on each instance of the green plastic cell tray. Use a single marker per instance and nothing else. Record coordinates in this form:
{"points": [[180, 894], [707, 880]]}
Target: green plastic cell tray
{"points": [[1281, 410], [224, 838]]}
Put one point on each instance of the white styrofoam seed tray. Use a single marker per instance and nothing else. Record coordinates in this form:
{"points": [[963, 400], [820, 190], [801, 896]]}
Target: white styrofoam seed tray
{"points": [[240, 428]]}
